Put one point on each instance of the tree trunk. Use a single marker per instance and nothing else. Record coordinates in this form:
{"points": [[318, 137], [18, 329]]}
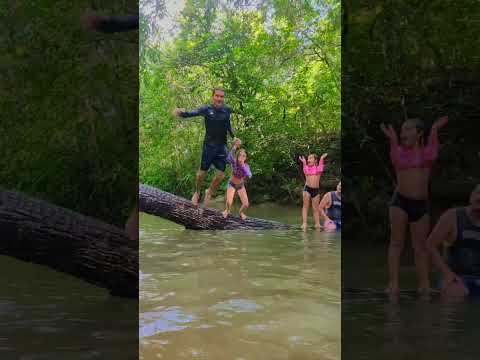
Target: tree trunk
{"points": [[39, 232], [182, 211]]}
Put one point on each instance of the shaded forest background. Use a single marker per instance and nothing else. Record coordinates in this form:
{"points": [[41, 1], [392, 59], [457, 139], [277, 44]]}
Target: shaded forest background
{"points": [[69, 107], [279, 63], [407, 59]]}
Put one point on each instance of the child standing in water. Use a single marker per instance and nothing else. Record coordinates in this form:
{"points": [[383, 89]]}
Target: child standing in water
{"points": [[240, 172], [311, 192], [412, 160]]}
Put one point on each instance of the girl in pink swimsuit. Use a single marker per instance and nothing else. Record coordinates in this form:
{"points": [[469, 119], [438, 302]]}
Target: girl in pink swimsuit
{"points": [[311, 192], [412, 161]]}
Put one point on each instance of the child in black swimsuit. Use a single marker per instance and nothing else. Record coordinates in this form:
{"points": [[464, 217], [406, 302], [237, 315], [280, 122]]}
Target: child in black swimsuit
{"points": [[311, 192]]}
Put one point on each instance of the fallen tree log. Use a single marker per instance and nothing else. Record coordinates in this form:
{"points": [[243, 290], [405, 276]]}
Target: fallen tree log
{"points": [[183, 212], [39, 232]]}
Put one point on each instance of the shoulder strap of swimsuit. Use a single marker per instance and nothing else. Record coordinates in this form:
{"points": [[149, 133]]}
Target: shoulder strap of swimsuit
{"points": [[333, 196], [461, 216]]}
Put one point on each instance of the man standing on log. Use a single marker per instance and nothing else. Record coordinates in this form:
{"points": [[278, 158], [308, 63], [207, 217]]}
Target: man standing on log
{"points": [[217, 125]]}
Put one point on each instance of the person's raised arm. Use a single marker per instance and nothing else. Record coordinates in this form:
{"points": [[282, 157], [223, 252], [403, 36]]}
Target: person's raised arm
{"points": [[229, 129], [440, 123], [432, 148], [321, 164], [391, 135], [304, 163], [433, 137], [231, 153]]}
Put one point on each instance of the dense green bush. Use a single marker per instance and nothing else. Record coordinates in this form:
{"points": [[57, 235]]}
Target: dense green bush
{"points": [[69, 102]]}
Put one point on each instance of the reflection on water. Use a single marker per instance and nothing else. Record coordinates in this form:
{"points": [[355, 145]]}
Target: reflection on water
{"points": [[45, 314], [410, 327], [170, 319], [238, 295]]}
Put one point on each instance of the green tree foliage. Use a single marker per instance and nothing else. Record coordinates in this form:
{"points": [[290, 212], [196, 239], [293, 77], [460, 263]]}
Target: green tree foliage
{"points": [[279, 63], [69, 105]]}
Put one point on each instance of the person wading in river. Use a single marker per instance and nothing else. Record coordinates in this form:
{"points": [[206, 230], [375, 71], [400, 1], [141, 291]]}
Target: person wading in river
{"points": [[217, 125], [412, 160], [458, 229], [330, 209], [93, 21], [313, 170]]}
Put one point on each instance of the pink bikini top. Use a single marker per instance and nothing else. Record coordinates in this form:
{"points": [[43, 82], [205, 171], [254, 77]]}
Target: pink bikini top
{"points": [[422, 158], [313, 170]]}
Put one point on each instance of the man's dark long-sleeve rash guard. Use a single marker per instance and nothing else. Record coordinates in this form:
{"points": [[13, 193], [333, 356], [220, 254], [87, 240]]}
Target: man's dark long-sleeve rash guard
{"points": [[217, 123], [113, 24]]}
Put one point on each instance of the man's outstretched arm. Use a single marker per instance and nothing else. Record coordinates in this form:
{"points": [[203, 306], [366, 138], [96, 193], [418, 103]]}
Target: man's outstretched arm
{"points": [[109, 24], [112, 24], [187, 114]]}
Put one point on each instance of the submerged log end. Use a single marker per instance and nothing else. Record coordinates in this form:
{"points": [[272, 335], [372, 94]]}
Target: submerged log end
{"points": [[37, 231]]}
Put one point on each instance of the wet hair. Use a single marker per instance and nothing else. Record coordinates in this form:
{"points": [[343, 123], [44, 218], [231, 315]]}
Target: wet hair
{"points": [[217, 89], [420, 126], [315, 156], [240, 151]]}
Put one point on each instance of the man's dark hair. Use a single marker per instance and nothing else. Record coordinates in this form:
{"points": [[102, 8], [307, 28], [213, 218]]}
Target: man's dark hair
{"points": [[217, 89]]}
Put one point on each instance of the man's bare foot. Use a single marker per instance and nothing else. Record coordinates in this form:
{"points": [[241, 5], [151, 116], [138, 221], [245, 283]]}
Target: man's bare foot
{"points": [[304, 227], [243, 216], [208, 197], [225, 213], [195, 198], [318, 227]]}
